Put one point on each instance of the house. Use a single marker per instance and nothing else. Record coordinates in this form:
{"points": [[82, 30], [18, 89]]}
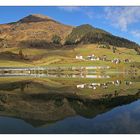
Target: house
{"points": [[92, 57], [80, 57]]}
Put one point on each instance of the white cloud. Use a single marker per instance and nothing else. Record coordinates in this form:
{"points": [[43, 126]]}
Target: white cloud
{"points": [[122, 17], [136, 33], [83, 10], [90, 14], [70, 8]]}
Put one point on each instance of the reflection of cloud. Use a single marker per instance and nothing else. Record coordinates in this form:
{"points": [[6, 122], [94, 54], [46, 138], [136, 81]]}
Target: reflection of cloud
{"points": [[123, 119], [128, 121], [122, 17], [136, 33]]}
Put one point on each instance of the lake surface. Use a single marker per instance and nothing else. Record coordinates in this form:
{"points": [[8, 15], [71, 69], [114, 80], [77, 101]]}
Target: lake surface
{"points": [[70, 104]]}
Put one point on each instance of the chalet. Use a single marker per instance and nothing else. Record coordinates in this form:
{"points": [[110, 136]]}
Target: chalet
{"points": [[80, 57], [92, 57]]}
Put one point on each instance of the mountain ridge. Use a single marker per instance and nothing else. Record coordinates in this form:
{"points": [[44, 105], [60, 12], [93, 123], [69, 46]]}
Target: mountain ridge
{"points": [[40, 28], [35, 18]]}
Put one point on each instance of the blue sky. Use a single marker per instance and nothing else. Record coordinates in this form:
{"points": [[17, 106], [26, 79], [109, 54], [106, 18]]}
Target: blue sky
{"points": [[121, 21]]}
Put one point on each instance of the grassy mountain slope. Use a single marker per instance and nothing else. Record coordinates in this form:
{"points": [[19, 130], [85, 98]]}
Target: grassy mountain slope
{"points": [[30, 29], [80, 31], [34, 33], [86, 34]]}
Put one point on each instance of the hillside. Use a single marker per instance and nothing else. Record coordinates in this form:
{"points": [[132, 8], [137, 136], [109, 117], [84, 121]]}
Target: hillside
{"points": [[38, 30], [80, 31], [32, 28], [86, 34], [38, 40]]}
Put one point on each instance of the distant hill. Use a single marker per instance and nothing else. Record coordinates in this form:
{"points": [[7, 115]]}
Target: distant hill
{"points": [[80, 31], [35, 18], [39, 31], [86, 34], [32, 29]]}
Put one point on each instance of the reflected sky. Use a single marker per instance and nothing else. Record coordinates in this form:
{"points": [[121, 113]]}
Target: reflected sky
{"points": [[57, 105], [123, 119]]}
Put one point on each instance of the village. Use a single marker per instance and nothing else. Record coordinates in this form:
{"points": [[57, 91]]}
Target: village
{"points": [[93, 57]]}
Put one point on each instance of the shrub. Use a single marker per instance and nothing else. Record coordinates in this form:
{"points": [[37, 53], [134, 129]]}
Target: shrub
{"points": [[56, 39]]}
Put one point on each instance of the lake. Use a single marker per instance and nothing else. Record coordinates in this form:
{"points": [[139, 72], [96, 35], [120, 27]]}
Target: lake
{"points": [[70, 103]]}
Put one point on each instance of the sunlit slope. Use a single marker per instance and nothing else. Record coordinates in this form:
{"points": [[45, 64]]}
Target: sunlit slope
{"points": [[38, 40], [66, 57]]}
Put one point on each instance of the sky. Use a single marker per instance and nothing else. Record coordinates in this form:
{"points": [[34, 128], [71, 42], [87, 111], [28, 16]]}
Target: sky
{"points": [[120, 21]]}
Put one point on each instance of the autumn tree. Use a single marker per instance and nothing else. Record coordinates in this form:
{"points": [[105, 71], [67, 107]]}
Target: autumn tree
{"points": [[21, 55], [56, 39], [113, 49]]}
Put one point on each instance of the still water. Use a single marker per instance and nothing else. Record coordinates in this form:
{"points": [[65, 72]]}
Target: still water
{"points": [[53, 104]]}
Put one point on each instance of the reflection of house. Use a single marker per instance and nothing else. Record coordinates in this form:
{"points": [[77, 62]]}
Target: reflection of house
{"points": [[79, 57], [126, 60], [81, 86], [103, 85], [116, 83], [128, 83], [103, 58], [116, 61], [95, 84]]}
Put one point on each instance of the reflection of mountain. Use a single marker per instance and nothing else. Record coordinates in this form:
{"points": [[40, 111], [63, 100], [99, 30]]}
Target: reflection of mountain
{"points": [[55, 104]]}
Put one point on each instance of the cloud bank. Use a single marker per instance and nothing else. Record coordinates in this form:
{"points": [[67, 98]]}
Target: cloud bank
{"points": [[122, 17], [83, 10]]}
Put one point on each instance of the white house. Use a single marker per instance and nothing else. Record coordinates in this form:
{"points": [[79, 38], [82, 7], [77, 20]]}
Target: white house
{"points": [[92, 57], [79, 57]]}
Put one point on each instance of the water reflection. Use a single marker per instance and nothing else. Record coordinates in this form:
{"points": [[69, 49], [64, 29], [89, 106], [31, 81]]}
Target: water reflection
{"points": [[52, 101], [103, 85], [57, 75]]}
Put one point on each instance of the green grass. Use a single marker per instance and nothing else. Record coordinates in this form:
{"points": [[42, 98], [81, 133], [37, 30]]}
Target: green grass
{"points": [[8, 63], [66, 57]]}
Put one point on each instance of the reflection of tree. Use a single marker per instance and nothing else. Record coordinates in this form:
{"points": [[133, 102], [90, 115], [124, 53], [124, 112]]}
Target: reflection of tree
{"points": [[56, 103], [14, 85], [22, 87], [116, 93], [21, 55], [50, 105], [91, 108], [59, 102]]}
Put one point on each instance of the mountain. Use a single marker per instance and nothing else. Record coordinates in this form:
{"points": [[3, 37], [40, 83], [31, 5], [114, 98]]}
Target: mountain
{"points": [[40, 40], [86, 34], [35, 18], [30, 29], [38, 30], [80, 31]]}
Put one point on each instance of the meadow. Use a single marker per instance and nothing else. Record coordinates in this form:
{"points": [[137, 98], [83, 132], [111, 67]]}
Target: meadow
{"points": [[66, 57]]}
